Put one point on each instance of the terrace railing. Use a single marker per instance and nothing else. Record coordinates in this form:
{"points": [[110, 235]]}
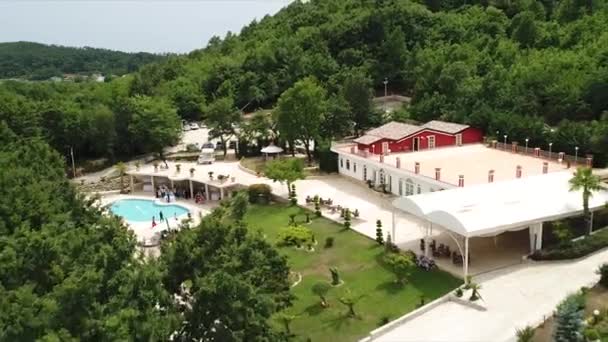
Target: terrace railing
{"points": [[556, 156]]}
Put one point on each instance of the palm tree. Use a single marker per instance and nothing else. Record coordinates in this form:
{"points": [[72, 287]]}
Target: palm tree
{"points": [[122, 169], [587, 182]]}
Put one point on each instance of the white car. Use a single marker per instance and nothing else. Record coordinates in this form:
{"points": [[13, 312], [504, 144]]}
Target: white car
{"points": [[194, 126]]}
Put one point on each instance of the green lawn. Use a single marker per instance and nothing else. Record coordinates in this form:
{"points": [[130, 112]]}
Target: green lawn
{"points": [[356, 257]]}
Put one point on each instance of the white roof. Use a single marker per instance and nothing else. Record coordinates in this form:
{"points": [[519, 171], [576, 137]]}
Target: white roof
{"points": [[448, 127], [394, 130], [490, 209], [272, 149], [367, 139]]}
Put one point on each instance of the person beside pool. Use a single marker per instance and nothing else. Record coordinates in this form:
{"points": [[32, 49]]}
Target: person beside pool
{"points": [[161, 215], [153, 222], [175, 215]]}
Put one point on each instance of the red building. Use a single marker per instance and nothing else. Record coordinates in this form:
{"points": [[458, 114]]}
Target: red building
{"points": [[401, 137]]}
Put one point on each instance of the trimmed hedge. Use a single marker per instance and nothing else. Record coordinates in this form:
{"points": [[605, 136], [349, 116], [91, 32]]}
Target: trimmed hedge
{"points": [[575, 249]]}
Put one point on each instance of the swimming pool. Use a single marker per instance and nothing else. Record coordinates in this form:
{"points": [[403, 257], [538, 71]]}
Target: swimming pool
{"points": [[142, 210]]}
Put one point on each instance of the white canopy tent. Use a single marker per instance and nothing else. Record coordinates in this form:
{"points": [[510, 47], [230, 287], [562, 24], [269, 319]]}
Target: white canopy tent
{"points": [[494, 208], [271, 149]]}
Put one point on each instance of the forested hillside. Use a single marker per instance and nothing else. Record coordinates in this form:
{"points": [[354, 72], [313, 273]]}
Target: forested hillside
{"points": [[527, 68], [36, 61]]}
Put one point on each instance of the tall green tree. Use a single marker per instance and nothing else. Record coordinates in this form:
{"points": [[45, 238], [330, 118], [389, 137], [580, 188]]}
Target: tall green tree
{"points": [[235, 288], [154, 124], [222, 119], [285, 171], [300, 111], [69, 271], [585, 181], [357, 91]]}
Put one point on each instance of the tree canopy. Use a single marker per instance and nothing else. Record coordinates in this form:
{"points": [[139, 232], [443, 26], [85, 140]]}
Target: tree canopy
{"points": [[39, 61], [526, 68]]}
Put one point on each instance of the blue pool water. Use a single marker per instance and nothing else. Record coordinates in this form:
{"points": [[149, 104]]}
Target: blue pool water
{"points": [[141, 210]]}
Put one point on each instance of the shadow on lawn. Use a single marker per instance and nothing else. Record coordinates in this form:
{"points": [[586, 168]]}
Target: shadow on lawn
{"points": [[342, 319], [391, 287], [315, 309]]}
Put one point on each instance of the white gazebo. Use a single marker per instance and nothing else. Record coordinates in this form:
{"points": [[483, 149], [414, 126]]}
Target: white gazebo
{"points": [[271, 149], [488, 210]]}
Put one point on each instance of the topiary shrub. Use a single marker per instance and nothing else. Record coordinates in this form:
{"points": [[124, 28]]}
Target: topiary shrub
{"points": [[293, 199], [379, 233], [347, 219], [317, 207], [259, 193], [295, 235], [335, 276]]}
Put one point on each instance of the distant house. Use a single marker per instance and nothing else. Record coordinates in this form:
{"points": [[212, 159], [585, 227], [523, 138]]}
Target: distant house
{"points": [[402, 137]]}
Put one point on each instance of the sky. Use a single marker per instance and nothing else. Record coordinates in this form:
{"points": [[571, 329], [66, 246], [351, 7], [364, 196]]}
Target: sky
{"points": [[143, 25]]}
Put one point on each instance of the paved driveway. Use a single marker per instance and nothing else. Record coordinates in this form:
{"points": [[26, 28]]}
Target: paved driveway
{"points": [[515, 297]]}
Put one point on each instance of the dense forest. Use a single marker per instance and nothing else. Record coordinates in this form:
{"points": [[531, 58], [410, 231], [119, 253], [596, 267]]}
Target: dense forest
{"points": [[34, 61], [526, 68]]}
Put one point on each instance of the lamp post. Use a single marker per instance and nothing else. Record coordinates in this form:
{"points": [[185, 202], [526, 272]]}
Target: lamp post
{"points": [[575, 154], [385, 91], [550, 144], [527, 139], [505, 143], [385, 87], [73, 165]]}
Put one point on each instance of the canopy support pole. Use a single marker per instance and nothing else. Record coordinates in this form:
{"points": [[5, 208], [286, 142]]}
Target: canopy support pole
{"points": [[427, 237], [131, 183], [466, 259], [191, 189], [153, 187]]}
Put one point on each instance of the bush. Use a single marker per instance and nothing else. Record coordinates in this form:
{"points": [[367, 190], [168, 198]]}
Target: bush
{"points": [[569, 320], [384, 320], [329, 242], [525, 335], [576, 249], [259, 193], [603, 272], [192, 148], [592, 335], [295, 236]]}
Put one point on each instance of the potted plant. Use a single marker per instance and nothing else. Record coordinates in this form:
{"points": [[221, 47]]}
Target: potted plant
{"points": [[192, 171], [356, 213], [155, 166], [178, 167], [210, 175]]}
